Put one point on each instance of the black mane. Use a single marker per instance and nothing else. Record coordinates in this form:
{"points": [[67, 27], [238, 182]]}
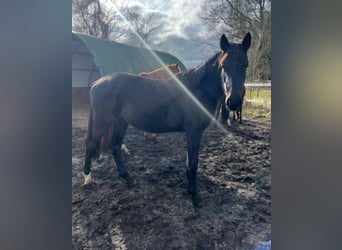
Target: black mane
{"points": [[194, 77]]}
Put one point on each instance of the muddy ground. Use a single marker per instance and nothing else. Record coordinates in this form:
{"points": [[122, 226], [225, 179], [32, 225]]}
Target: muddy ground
{"points": [[234, 180]]}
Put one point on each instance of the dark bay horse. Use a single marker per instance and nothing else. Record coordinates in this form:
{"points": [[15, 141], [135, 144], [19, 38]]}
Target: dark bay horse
{"points": [[184, 103], [160, 74]]}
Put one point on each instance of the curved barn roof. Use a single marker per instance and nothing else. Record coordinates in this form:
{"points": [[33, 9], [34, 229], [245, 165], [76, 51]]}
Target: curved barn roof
{"points": [[93, 57]]}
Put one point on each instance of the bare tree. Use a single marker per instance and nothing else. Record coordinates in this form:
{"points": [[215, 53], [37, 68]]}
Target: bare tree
{"points": [[93, 18], [144, 25], [237, 17]]}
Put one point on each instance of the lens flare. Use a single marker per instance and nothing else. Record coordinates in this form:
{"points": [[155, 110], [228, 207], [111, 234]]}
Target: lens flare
{"points": [[193, 98]]}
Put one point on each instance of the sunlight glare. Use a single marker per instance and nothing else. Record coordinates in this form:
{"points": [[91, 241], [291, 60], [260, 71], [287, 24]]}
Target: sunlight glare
{"points": [[193, 98]]}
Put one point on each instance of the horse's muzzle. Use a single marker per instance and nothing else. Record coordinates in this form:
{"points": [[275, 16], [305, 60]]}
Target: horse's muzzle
{"points": [[233, 103]]}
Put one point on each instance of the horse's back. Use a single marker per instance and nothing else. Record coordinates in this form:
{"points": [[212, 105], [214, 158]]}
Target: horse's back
{"points": [[116, 85], [133, 97], [113, 79]]}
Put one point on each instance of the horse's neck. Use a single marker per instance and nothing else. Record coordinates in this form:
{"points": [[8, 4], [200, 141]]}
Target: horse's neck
{"points": [[205, 79], [163, 70], [211, 81], [207, 73], [174, 70], [213, 61], [196, 75], [157, 71]]}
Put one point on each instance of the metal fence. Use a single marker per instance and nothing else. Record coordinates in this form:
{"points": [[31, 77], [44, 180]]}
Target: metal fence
{"points": [[258, 84]]}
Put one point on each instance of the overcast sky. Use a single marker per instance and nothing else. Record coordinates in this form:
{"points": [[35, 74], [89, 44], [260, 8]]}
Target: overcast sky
{"points": [[179, 15], [182, 27]]}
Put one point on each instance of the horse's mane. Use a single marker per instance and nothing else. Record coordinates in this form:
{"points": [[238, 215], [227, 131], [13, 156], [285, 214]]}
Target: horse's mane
{"points": [[193, 77]]}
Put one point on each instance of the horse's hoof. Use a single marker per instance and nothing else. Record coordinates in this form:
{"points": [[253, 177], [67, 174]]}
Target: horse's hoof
{"points": [[197, 201], [131, 183], [87, 179], [125, 149], [145, 135]]}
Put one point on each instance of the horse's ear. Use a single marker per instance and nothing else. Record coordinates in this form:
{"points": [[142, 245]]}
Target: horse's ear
{"points": [[246, 43], [224, 44]]}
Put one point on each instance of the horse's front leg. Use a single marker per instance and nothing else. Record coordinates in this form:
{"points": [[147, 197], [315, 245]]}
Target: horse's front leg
{"points": [[193, 144], [228, 123], [240, 114], [225, 114]]}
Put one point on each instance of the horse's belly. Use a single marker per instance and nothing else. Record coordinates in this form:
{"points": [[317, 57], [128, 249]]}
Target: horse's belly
{"points": [[159, 121], [160, 126]]}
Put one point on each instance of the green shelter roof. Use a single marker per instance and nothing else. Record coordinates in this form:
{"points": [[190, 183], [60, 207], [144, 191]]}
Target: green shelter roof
{"points": [[111, 56]]}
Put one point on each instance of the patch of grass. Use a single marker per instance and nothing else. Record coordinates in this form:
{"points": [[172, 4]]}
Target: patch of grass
{"points": [[258, 94], [259, 112]]}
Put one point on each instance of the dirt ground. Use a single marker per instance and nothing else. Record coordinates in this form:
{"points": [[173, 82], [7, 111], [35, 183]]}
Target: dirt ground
{"points": [[234, 180]]}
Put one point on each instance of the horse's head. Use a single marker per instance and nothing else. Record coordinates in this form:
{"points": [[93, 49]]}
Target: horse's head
{"points": [[233, 63], [174, 68]]}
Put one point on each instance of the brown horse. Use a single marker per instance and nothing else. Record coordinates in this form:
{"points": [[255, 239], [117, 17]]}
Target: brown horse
{"points": [[160, 74]]}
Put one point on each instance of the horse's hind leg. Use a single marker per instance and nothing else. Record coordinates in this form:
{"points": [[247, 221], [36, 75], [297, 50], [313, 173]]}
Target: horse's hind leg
{"points": [[119, 131], [102, 148], [91, 149], [104, 145]]}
